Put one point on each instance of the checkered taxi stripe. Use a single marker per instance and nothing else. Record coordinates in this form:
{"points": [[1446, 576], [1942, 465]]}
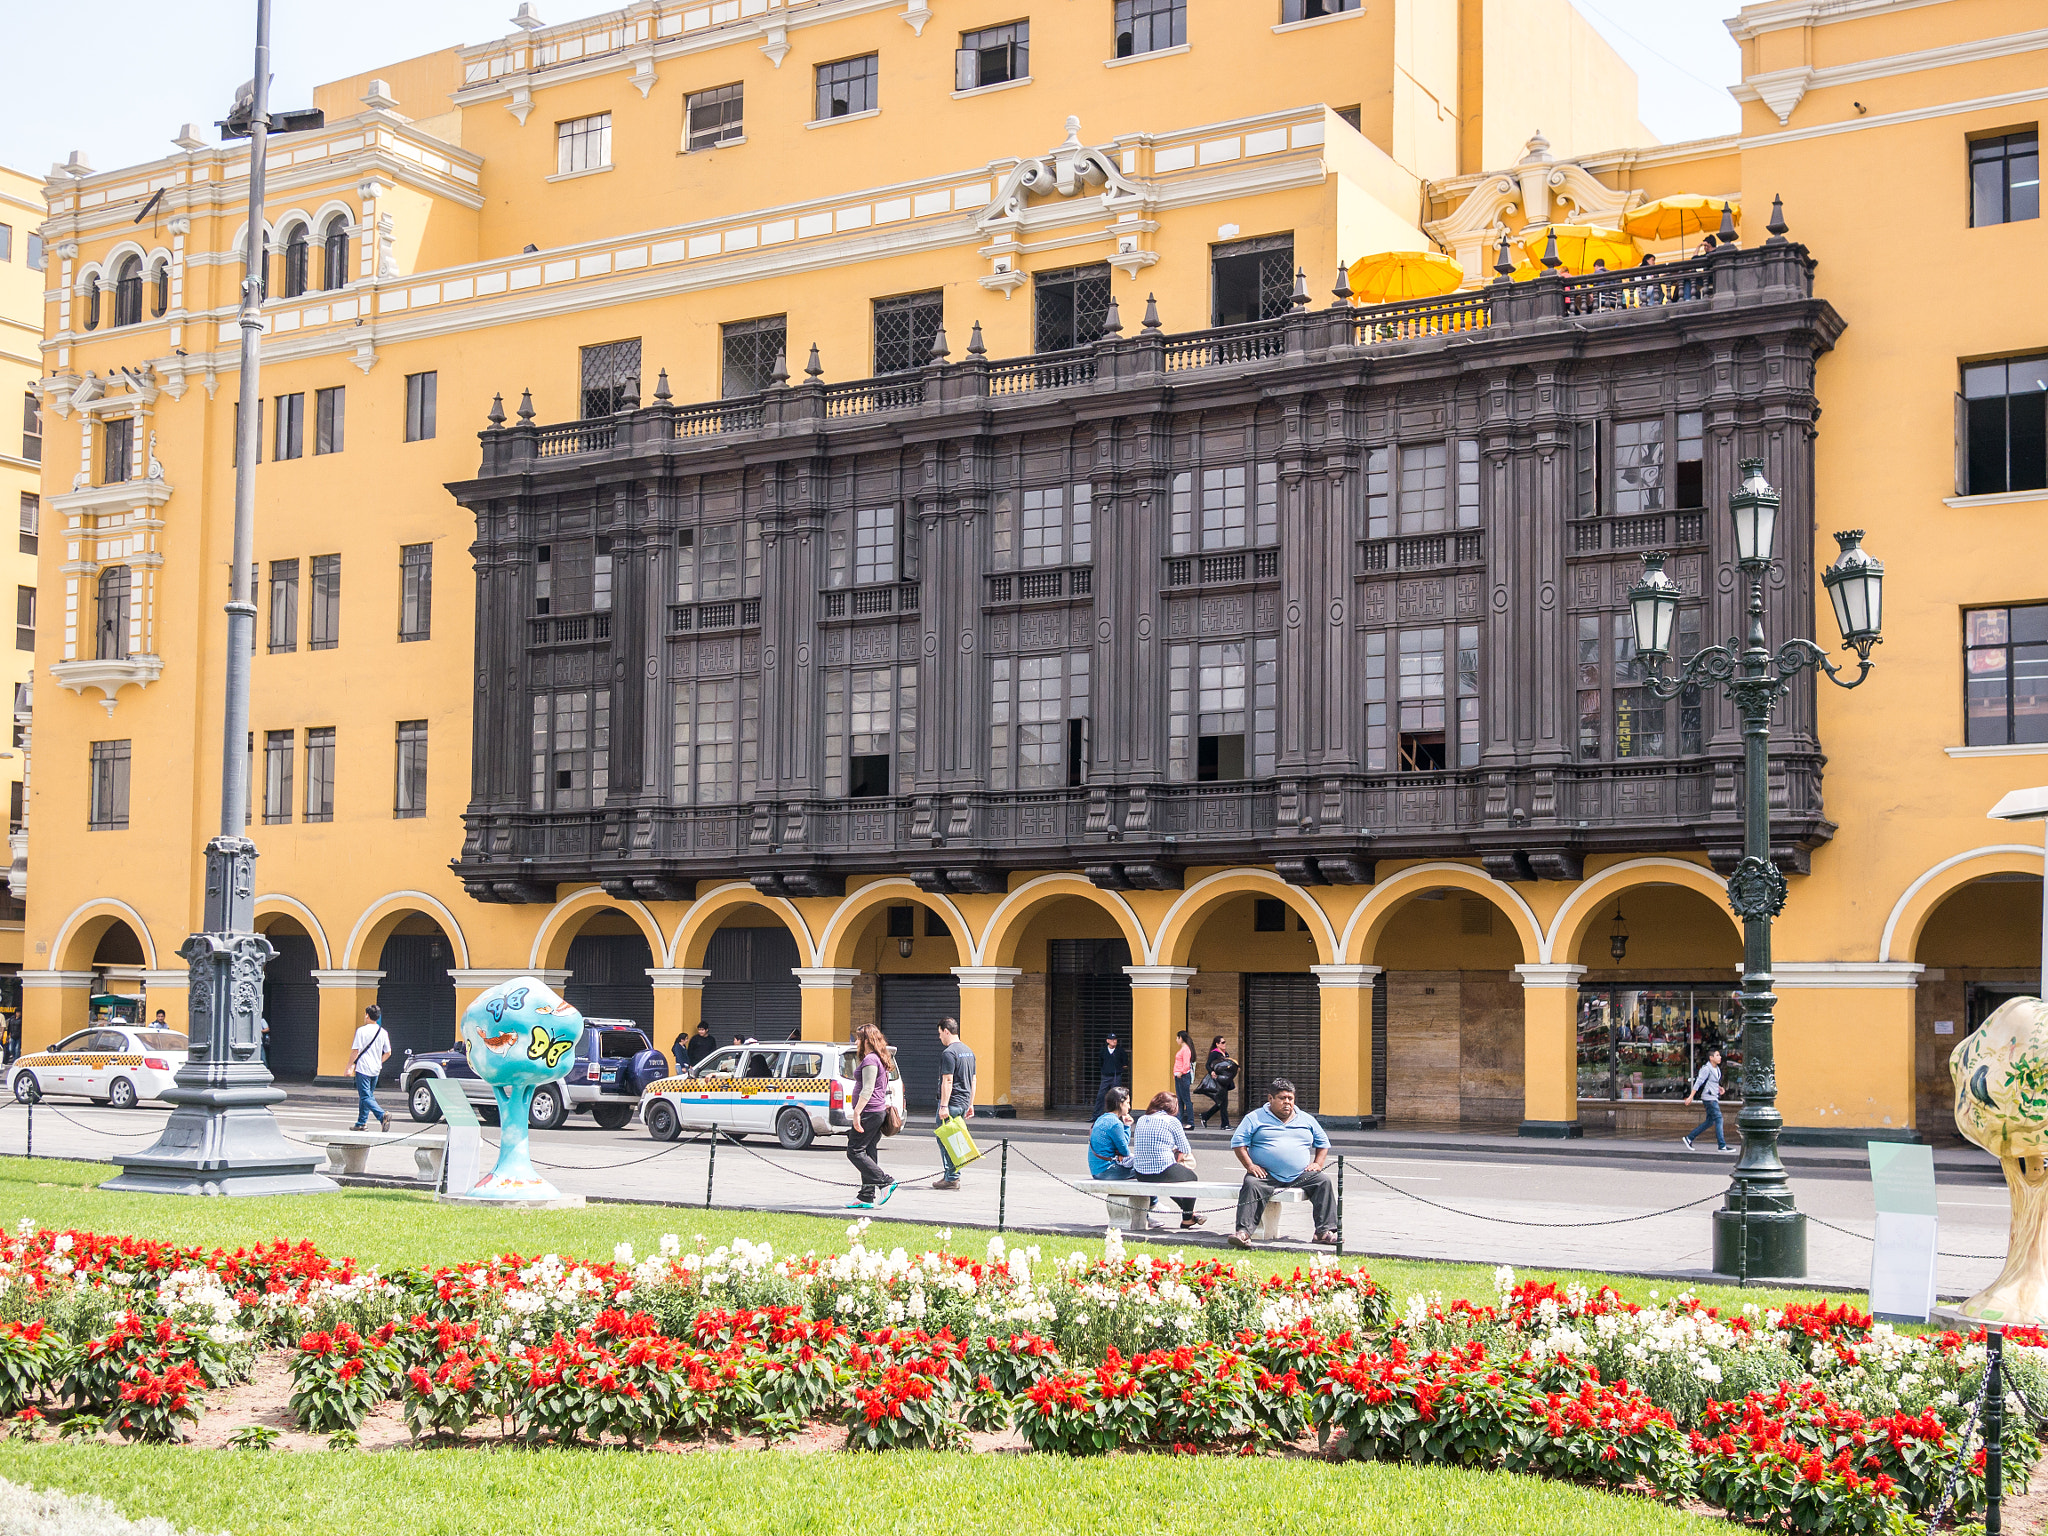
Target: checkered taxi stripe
{"points": [[745, 1087], [93, 1059]]}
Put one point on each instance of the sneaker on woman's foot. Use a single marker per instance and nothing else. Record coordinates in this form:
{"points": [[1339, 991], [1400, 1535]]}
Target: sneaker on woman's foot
{"points": [[1688, 1142], [887, 1190], [860, 1205]]}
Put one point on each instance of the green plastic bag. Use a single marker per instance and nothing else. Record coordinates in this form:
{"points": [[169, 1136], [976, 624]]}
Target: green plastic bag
{"points": [[959, 1145]]}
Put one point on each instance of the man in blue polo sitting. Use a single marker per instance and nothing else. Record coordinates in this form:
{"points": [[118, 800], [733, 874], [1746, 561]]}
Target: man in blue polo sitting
{"points": [[1282, 1147]]}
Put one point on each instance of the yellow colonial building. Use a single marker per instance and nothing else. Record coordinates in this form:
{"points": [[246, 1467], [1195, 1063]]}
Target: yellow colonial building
{"points": [[937, 543], [21, 364]]}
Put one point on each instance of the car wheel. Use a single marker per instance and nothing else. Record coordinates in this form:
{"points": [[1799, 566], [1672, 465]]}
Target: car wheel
{"points": [[793, 1129], [663, 1124], [421, 1101], [612, 1117], [26, 1089], [547, 1112], [121, 1094]]}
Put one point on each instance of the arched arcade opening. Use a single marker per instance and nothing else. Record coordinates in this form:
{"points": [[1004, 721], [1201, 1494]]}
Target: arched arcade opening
{"points": [[1981, 946]]}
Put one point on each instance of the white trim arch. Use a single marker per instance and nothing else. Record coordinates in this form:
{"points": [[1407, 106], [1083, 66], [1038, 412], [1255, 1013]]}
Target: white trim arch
{"points": [[328, 210], [88, 276], [548, 924], [892, 883], [1263, 877], [1593, 890], [1935, 872], [1368, 910], [304, 913], [793, 920], [1022, 895], [98, 904], [439, 909]]}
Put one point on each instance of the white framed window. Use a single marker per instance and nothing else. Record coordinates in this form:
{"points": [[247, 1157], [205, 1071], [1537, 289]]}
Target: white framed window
{"points": [[712, 118], [862, 547], [583, 144], [1038, 720], [870, 730]]}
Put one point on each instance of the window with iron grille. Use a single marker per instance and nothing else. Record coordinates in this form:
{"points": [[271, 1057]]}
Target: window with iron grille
{"points": [[24, 620], [1070, 306], [324, 633], [848, 86], [1038, 720], [320, 773], [583, 144], [108, 808], [1251, 279], [905, 327], [750, 349], [279, 748], [2005, 675], [572, 737], [31, 521], [118, 449], [284, 606], [290, 428], [717, 740], [1146, 26], [2005, 178], [1054, 525], [2002, 427], [992, 56], [1309, 10], [327, 420], [420, 390], [611, 376], [410, 797], [31, 428], [870, 730], [113, 614], [712, 118], [1222, 710], [415, 591]]}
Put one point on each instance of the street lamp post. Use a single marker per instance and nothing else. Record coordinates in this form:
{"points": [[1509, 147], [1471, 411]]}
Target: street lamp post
{"points": [[221, 1138], [1759, 1212]]}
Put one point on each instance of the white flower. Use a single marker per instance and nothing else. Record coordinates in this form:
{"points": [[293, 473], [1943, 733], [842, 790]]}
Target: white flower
{"points": [[622, 1254]]}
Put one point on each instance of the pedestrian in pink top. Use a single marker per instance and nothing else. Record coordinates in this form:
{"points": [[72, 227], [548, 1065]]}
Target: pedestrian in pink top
{"points": [[1184, 1079]]}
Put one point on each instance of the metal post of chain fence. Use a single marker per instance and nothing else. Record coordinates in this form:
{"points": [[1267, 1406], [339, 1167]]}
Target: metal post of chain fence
{"points": [[710, 1167], [1742, 1279], [1994, 1426], [1340, 1205], [31, 1128], [1003, 1187]]}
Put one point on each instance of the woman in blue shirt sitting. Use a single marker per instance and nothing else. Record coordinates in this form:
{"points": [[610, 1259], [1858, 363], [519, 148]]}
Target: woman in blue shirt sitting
{"points": [[1109, 1143]]}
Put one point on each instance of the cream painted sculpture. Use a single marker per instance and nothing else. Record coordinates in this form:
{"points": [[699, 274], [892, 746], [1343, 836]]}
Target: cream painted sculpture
{"points": [[2001, 1078]]}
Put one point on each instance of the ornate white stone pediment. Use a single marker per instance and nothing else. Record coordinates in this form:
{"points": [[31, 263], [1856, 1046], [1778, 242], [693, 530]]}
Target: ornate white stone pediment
{"points": [[1068, 170], [1542, 190]]}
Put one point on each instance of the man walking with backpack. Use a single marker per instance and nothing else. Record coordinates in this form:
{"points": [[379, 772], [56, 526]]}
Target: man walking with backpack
{"points": [[956, 1092], [371, 1047]]}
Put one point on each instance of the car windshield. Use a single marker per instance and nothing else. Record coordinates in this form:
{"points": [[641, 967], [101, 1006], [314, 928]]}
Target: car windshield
{"points": [[725, 1064], [621, 1042], [162, 1040], [77, 1042]]}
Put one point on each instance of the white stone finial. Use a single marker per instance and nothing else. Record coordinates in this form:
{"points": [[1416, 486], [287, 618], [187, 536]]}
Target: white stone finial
{"points": [[188, 137], [1537, 149], [76, 165], [378, 97], [526, 21], [1073, 134]]}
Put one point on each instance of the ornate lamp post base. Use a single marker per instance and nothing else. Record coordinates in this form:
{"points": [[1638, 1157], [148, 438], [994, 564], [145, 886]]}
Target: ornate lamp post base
{"points": [[1777, 1244]]}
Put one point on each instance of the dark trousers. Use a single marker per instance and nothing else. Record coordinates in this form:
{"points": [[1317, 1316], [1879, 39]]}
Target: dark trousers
{"points": [[1178, 1173], [1184, 1092], [1112, 1080], [1219, 1104], [1713, 1107], [860, 1151], [1253, 1196]]}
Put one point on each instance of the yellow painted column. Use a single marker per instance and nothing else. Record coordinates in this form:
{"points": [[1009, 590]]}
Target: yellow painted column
{"points": [[1159, 1011], [1550, 1049], [1346, 1099], [343, 997], [678, 1006], [827, 1001], [54, 1004], [985, 993], [1845, 1046]]}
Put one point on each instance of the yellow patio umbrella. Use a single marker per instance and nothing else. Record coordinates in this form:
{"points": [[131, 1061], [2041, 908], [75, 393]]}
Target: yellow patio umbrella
{"points": [[1389, 276], [1684, 216], [1580, 245]]}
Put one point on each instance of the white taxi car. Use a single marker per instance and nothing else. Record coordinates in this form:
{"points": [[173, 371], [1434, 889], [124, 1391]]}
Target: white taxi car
{"points": [[797, 1090], [117, 1063]]}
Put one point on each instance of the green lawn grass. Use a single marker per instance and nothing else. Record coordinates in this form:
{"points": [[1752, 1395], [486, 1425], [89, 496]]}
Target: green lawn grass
{"points": [[576, 1493], [398, 1228]]}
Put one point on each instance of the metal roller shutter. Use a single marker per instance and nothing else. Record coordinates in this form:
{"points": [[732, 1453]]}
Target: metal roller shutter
{"points": [[1088, 998], [417, 995], [291, 1003], [1283, 1025], [909, 1009], [608, 977], [752, 992], [1379, 1048]]}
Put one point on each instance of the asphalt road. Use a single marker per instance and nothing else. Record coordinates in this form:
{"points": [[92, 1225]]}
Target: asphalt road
{"points": [[1470, 1198]]}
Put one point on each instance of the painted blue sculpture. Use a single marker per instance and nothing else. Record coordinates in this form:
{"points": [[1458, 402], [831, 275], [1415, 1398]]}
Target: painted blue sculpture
{"points": [[518, 1036]]}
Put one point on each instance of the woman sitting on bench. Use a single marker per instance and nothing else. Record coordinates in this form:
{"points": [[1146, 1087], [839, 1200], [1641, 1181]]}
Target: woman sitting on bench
{"points": [[1161, 1155]]}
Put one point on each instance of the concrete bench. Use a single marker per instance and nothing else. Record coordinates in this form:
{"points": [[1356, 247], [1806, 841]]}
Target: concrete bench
{"points": [[1130, 1200], [349, 1151]]}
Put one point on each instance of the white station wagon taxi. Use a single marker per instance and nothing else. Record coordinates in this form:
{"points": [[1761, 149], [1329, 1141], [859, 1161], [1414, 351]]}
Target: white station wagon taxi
{"points": [[798, 1090], [119, 1064]]}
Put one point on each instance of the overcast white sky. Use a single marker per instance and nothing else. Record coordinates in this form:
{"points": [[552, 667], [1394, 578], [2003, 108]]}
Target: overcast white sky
{"points": [[154, 68]]}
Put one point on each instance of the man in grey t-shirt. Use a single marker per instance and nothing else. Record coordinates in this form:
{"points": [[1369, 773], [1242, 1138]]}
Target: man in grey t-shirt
{"points": [[1707, 1088], [956, 1091]]}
